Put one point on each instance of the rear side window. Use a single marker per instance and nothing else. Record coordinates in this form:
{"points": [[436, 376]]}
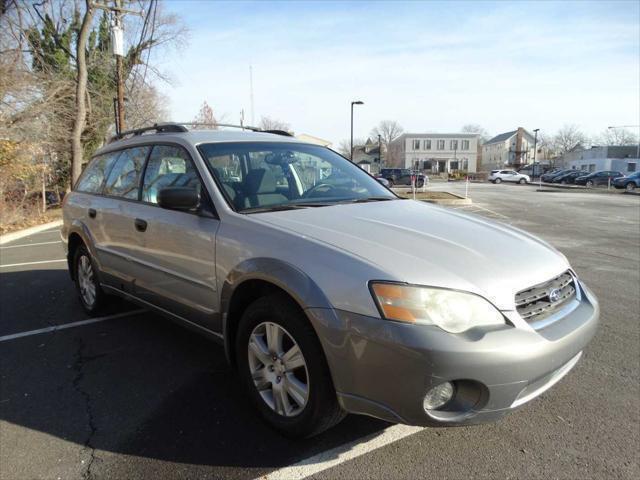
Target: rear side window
{"points": [[124, 178], [168, 167], [95, 173]]}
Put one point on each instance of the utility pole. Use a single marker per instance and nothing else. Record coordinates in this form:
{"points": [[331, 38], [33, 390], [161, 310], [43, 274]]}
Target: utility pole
{"points": [[117, 43], [535, 150], [356, 102]]}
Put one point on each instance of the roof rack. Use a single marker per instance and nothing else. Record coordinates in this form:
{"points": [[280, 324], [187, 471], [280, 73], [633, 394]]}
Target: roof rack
{"points": [[179, 127]]}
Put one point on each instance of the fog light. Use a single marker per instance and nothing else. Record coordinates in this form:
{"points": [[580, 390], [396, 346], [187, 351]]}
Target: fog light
{"points": [[438, 396]]}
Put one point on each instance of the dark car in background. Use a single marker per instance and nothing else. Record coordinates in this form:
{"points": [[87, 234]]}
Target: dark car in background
{"points": [[598, 178], [402, 176], [629, 183], [568, 178], [549, 176]]}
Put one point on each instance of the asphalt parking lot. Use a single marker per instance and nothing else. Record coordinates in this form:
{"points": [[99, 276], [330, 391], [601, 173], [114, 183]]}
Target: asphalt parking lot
{"points": [[135, 396]]}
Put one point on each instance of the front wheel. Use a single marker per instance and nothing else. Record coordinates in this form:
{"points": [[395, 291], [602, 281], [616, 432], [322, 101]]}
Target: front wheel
{"points": [[497, 180], [630, 187], [589, 184], [87, 284], [283, 368], [420, 183], [522, 181]]}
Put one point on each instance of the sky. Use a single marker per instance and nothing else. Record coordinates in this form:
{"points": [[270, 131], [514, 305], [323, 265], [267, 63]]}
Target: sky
{"points": [[431, 66]]}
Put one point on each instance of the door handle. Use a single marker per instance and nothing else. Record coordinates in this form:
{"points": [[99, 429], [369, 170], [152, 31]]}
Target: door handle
{"points": [[140, 224], [92, 213]]}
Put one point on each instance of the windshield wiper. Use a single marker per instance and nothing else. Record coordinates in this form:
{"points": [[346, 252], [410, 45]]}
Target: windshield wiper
{"points": [[274, 208], [369, 199]]}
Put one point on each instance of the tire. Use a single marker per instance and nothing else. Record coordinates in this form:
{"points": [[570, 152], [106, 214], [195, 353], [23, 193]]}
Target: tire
{"points": [[391, 184], [420, 183], [91, 295], [589, 184], [522, 181], [294, 415], [497, 180], [630, 187]]}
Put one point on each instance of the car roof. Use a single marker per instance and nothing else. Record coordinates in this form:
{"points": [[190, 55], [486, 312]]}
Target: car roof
{"points": [[195, 137]]}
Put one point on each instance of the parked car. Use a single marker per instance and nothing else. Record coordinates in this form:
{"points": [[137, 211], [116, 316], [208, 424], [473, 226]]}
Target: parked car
{"points": [[383, 181], [330, 294], [629, 183], [402, 176], [549, 176], [498, 176], [567, 178], [598, 178]]}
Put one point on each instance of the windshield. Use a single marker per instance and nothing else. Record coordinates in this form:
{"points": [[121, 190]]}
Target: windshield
{"points": [[263, 176]]}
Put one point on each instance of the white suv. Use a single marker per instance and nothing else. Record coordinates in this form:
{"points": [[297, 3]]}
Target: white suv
{"points": [[498, 176]]}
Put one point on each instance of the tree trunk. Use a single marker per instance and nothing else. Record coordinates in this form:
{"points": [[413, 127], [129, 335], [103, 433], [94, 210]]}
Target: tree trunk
{"points": [[81, 92]]}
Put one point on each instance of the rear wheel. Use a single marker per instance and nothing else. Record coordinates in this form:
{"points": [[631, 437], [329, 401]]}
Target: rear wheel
{"points": [[630, 187], [420, 183], [589, 183], [87, 284], [283, 368], [391, 184]]}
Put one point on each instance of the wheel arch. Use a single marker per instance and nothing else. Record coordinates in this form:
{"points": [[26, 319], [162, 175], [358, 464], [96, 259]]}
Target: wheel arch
{"points": [[255, 278], [78, 234]]}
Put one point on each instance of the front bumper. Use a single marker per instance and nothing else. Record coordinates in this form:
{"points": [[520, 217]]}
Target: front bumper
{"points": [[384, 369]]}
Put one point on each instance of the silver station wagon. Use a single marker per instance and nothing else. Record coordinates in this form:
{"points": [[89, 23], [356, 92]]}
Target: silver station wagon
{"points": [[330, 294]]}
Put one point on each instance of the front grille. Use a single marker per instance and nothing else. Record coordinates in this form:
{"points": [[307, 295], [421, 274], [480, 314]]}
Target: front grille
{"points": [[535, 303]]}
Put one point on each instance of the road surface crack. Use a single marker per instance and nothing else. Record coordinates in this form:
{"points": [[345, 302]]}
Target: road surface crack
{"points": [[78, 365]]}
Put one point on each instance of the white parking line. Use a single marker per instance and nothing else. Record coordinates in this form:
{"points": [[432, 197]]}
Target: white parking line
{"points": [[341, 454], [31, 263], [68, 325], [30, 244]]}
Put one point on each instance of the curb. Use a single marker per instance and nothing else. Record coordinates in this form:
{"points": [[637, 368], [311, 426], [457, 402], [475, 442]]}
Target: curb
{"points": [[441, 201], [10, 237]]}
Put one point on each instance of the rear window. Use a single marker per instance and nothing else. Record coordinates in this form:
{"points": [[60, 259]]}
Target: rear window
{"points": [[124, 179], [94, 174]]}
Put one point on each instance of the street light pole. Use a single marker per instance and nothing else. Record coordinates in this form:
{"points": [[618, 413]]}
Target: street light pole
{"points": [[380, 151], [356, 102], [535, 150]]}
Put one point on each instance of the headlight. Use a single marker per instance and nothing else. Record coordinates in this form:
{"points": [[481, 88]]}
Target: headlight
{"points": [[452, 311]]}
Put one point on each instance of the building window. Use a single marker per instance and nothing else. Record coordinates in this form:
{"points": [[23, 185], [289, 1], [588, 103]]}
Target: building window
{"points": [[454, 165], [427, 165], [631, 167], [465, 164], [592, 167], [440, 144], [465, 144], [427, 144], [416, 144], [453, 145]]}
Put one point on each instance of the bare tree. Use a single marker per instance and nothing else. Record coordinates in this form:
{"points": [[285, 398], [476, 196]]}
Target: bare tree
{"points": [[475, 128], [617, 136], [345, 145], [568, 138], [268, 123], [205, 118], [81, 93], [388, 130]]}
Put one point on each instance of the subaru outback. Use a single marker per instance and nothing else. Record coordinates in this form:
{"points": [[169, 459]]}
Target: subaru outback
{"points": [[329, 293]]}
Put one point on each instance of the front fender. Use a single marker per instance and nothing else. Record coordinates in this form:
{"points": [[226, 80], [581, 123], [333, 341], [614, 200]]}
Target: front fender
{"points": [[281, 274]]}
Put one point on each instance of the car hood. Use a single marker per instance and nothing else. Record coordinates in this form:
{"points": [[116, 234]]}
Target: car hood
{"points": [[424, 244]]}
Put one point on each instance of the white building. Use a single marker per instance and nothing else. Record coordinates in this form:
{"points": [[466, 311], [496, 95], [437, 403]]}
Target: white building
{"points": [[623, 158], [510, 149], [435, 152]]}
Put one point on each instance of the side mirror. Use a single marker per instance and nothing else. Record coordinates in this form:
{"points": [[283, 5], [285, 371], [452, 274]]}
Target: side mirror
{"points": [[179, 198]]}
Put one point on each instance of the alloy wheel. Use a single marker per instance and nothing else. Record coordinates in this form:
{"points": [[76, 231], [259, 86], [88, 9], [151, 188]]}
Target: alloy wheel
{"points": [[630, 187], [86, 281], [278, 369]]}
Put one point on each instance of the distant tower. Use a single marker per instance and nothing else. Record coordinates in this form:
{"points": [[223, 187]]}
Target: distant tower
{"points": [[253, 120]]}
